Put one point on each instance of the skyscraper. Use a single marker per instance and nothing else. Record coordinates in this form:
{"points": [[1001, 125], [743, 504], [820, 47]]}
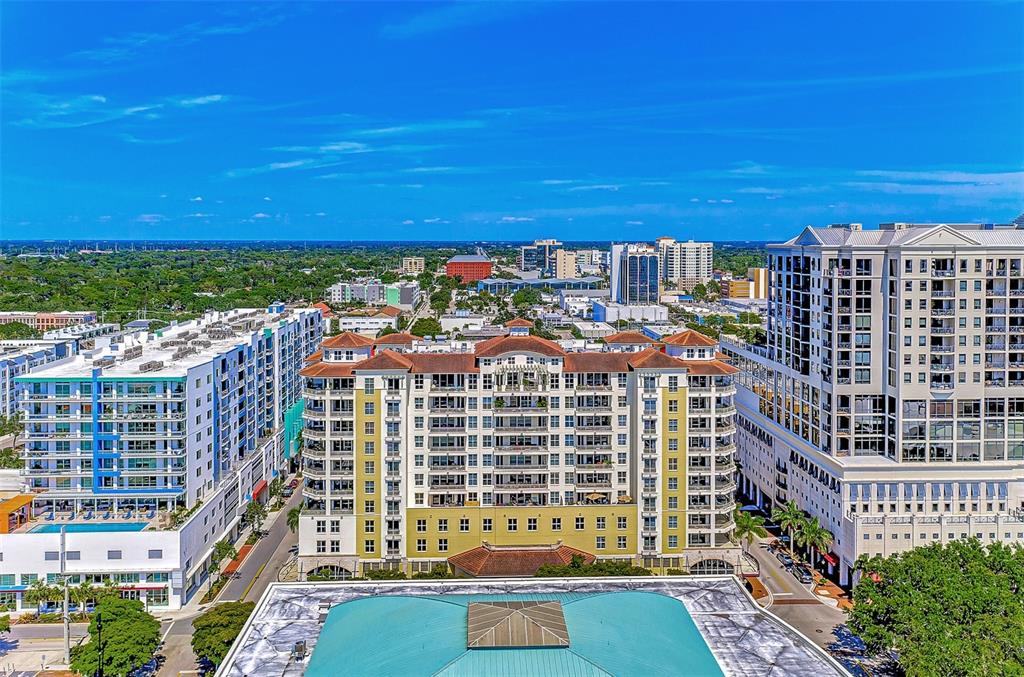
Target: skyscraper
{"points": [[635, 274], [685, 264], [889, 399]]}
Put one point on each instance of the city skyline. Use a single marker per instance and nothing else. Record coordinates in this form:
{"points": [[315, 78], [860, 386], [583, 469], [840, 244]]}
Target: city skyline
{"points": [[521, 120]]}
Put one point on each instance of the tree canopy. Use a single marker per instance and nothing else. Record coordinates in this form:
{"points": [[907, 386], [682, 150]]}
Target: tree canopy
{"points": [[17, 330], [129, 635], [577, 568], [426, 326], [215, 630], [954, 609]]}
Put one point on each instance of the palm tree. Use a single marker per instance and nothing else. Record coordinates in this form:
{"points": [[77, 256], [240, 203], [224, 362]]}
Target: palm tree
{"points": [[293, 518], [789, 517], [814, 537], [748, 527]]}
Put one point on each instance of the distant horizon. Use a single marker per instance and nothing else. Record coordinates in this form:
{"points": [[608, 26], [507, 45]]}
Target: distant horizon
{"points": [[397, 121]]}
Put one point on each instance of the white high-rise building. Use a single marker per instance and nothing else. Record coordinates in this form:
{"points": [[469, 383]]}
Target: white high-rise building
{"points": [[889, 399], [146, 452], [685, 264]]}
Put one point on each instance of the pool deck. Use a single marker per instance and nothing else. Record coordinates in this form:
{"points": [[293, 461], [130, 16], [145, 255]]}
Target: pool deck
{"points": [[745, 639], [97, 520]]}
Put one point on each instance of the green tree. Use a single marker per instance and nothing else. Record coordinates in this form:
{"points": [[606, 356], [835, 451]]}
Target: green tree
{"points": [[951, 610], [426, 326], [293, 518], [214, 631], [814, 538], [577, 568], [222, 550], [748, 528], [789, 517], [255, 513], [386, 330], [129, 635], [699, 292], [5, 623], [17, 330], [39, 593]]}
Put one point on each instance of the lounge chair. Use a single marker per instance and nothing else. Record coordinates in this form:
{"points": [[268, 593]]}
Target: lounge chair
{"points": [[152, 514], [106, 515], [87, 515], [128, 515]]}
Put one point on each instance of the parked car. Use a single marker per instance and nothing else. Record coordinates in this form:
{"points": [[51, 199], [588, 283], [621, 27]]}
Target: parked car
{"points": [[802, 574], [294, 550], [294, 483], [785, 559], [287, 492]]}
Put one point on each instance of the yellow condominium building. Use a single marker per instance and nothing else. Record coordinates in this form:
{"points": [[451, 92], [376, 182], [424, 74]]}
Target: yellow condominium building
{"points": [[517, 454]]}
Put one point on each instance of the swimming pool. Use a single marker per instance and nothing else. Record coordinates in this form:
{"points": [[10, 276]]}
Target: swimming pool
{"points": [[79, 527]]}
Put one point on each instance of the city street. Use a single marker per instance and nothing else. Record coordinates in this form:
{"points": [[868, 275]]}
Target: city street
{"points": [[258, 571], [793, 601]]}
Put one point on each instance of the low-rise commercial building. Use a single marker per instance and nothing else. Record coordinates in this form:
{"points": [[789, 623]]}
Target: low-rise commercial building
{"points": [[413, 265], [469, 267], [42, 321]]}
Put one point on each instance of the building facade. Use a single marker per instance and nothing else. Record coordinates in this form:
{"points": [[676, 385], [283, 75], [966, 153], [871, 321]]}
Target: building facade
{"points": [[635, 274], [685, 264], [469, 267], [889, 399], [413, 265], [18, 358], [403, 295], [148, 451], [565, 265], [755, 286], [540, 256], [46, 321], [411, 458]]}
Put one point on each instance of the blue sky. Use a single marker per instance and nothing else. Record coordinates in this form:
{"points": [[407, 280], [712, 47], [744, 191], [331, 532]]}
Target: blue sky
{"points": [[505, 121]]}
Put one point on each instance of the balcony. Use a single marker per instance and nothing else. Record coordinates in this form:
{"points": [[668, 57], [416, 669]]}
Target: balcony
{"points": [[507, 485], [523, 467]]}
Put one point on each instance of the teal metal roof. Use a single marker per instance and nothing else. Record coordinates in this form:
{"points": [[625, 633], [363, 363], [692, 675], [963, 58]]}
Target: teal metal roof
{"points": [[626, 634]]}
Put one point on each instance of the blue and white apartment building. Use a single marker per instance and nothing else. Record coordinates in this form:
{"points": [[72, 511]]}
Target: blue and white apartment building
{"points": [[146, 452]]}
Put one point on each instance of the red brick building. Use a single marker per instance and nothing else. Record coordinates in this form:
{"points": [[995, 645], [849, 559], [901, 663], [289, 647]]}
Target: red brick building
{"points": [[470, 267]]}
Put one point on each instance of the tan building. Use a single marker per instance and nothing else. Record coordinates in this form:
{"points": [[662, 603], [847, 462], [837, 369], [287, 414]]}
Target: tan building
{"points": [[413, 265], [755, 286], [42, 322], [685, 264], [412, 458], [565, 265]]}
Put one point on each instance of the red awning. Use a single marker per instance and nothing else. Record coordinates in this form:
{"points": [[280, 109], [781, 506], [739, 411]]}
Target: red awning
{"points": [[831, 559], [260, 486]]}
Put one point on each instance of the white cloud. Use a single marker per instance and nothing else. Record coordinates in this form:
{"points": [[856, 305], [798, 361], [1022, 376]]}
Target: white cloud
{"points": [[320, 214], [694, 199], [197, 198], [558, 182], [726, 201], [433, 220], [611, 187], [150, 218], [198, 215], [261, 215], [408, 222], [266, 199], [202, 100], [634, 223], [712, 202], [411, 185], [516, 219]]}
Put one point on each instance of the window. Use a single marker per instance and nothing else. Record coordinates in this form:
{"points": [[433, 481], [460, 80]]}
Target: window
{"points": [[442, 525], [464, 524], [621, 522], [421, 526], [369, 545], [113, 554], [442, 545], [512, 524], [581, 523], [620, 542], [156, 554], [531, 524], [600, 522], [487, 524], [421, 545], [599, 543], [556, 524]]}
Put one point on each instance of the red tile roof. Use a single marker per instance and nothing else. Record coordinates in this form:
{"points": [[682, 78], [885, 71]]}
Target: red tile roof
{"points": [[691, 339], [325, 310], [385, 359], [519, 322], [390, 311], [709, 367], [652, 358], [499, 345], [347, 340], [628, 338], [589, 363], [315, 357], [396, 339], [443, 363], [327, 370], [493, 561]]}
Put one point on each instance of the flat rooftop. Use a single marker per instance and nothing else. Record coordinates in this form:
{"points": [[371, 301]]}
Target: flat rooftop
{"points": [[169, 352], [524, 626]]}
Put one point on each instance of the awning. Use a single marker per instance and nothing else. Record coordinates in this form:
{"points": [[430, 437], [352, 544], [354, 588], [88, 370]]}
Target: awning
{"points": [[259, 487], [830, 558]]}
